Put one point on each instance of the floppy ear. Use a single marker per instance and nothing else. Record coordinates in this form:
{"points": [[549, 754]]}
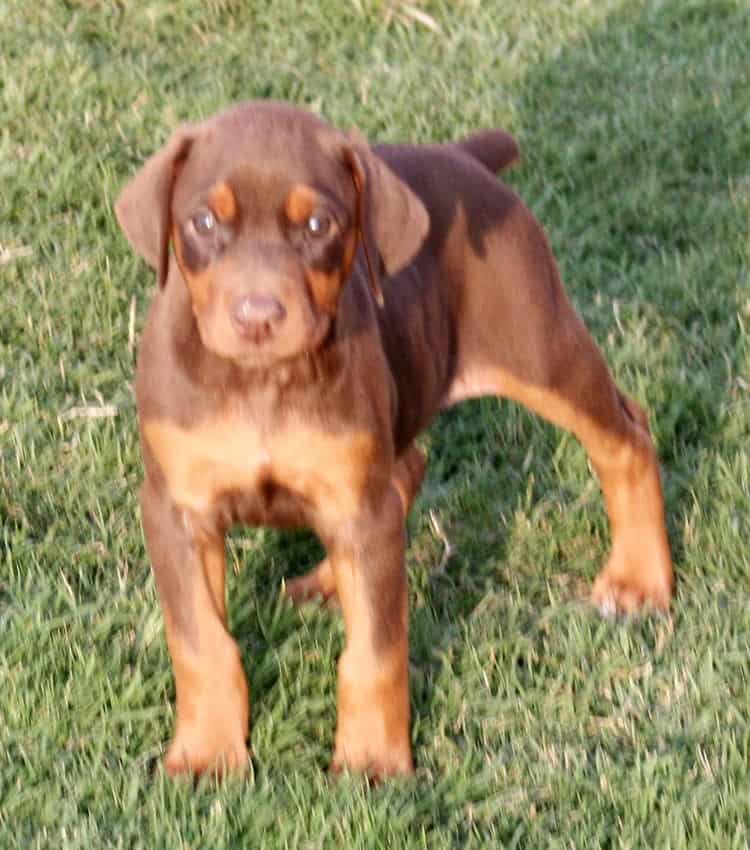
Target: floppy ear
{"points": [[394, 217], [144, 206]]}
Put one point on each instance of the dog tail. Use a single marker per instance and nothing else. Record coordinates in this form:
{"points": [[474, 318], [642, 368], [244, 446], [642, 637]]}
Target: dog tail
{"points": [[495, 149]]}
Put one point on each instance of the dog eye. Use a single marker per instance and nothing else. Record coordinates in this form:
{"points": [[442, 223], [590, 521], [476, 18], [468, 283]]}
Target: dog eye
{"points": [[204, 222], [319, 224]]}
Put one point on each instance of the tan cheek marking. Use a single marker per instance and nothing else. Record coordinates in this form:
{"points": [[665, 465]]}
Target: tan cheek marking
{"points": [[201, 289], [223, 202], [199, 285], [300, 203], [325, 288]]}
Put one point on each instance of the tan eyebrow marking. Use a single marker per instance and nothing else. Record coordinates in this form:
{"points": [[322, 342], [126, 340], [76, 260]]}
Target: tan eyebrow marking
{"points": [[223, 202]]}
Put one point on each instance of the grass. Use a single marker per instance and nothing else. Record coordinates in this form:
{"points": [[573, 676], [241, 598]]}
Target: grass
{"points": [[536, 723]]}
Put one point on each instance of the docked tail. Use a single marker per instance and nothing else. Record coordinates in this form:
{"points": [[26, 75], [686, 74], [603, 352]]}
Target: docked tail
{"points": [[495, 149]]}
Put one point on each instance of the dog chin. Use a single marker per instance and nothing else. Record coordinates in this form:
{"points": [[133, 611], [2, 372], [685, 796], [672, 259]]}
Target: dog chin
{"points": [[266, 355]]}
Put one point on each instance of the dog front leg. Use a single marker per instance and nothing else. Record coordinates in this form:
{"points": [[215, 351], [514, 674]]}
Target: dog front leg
{"points": [[212, 693], [408, 474], [367, 558]]}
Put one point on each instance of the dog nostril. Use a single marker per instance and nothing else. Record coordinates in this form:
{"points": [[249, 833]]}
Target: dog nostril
{"points": [[253, 313]]}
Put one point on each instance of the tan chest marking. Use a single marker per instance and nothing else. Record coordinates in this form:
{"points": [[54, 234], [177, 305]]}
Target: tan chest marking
{"points": [[205, 461]]}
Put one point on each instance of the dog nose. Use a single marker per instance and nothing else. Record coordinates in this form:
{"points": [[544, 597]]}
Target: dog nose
{"points": [[256, 315]]}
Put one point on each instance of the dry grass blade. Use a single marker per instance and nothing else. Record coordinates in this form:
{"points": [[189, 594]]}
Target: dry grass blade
{"points": [[93, 411]]}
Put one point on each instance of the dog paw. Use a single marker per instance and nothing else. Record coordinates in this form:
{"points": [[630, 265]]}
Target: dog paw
{"points": [[193, 759], [213, 720], [372, 732], [631, 591], [318, 583], [361, 757]]}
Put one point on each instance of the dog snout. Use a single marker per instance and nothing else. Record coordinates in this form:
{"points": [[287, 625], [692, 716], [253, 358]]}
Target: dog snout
{"points": [[256, 316]]}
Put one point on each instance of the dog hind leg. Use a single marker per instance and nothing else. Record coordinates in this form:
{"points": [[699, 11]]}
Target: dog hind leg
{"points": [[522, 339]]}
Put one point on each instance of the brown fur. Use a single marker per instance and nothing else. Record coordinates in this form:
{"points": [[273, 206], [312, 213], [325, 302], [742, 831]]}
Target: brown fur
{"points": [[308, 418]]}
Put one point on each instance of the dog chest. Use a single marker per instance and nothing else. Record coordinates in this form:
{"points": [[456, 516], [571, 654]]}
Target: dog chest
{"points": [[204, 462]]}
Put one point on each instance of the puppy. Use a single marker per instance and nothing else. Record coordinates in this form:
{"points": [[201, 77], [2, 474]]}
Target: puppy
{"points": [[322, 301]]}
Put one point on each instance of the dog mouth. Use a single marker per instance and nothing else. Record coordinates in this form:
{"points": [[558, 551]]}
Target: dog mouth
{"points": [[265, 356], [275, 339]]}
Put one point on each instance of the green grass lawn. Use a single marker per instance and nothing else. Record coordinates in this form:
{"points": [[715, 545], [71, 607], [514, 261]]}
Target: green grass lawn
{"points": [[536, 724]]}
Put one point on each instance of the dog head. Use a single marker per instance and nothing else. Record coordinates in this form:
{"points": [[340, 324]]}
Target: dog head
{"points": [[265, 206]]}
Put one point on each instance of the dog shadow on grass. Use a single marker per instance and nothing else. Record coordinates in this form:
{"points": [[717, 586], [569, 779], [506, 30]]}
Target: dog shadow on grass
{"points": [[628, 164]]}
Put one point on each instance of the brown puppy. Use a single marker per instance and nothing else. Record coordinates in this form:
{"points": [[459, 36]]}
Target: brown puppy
{"points": [[324, 301]]}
